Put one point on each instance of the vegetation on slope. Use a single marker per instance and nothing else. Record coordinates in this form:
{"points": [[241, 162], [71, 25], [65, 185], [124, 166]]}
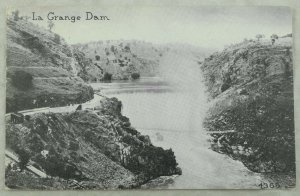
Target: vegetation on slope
{"points": [[41, 69], [97, 148], [252, 119], [120, 59]]}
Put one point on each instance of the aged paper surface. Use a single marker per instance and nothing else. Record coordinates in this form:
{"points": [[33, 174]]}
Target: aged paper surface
{"points": [[144, 96]]}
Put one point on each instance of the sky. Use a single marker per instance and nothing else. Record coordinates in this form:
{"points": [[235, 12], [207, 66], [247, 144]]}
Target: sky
{"points": [[203, 26]]}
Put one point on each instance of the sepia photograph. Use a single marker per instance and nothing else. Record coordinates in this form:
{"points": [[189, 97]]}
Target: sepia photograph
{"points": [[149, 97]]}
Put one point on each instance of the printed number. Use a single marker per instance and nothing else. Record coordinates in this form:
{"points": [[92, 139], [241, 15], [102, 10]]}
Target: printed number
{"points": [[271, 185]]}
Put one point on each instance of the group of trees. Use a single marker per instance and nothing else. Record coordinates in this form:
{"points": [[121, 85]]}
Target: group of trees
{"points": [[273, 37], [16, 16], [107, 76]]}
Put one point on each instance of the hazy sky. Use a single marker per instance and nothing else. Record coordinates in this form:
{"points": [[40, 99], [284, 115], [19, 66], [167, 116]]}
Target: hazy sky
{"points": [[201, 26]]}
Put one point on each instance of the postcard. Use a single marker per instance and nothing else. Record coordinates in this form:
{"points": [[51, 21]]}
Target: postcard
{"points": [[149, 97]]}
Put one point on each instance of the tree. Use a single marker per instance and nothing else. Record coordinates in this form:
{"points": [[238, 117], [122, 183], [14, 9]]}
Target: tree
{"points": [[135, 76], [50, 24], [259, 36], [127, 47], [16, 15], [24, 157], [112, 48], [273, 38], [56, 38], [107, 76]]}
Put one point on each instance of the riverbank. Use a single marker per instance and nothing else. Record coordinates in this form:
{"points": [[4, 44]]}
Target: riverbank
{"points": [[176, 113], [252, 96], [44, 91], [97, 148]]}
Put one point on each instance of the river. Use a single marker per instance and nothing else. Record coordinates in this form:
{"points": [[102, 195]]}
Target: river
{"points": [[172, 117], [170, 109]]}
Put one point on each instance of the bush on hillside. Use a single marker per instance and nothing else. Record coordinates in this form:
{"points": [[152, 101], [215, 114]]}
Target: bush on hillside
{"points": [[22, 80], [23, 157], [56, 38], [127, 48], [107, 76], [135, 76], [15, 15], [97, 57]]}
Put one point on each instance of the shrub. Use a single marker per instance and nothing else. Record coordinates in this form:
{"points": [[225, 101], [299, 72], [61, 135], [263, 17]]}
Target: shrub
{"points": [[22, 80], [127, 48], [145, 139], [135, 76], [112, 49], [16, 15], [24, 158], [56, 38], [107, 76], [131, 130], [224, 87], [130, 140], [27, 117]]}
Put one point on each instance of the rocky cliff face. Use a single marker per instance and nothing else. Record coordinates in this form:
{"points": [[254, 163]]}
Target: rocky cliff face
{"points": [[96, 147], [41, 69], [87, 69], [246, 62], [252, 117]]}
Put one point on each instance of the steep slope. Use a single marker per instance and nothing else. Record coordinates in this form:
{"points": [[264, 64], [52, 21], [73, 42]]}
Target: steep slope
{"points": [[119, 59], [252, 117], [98, 148], [128, 59], [41, 69], [87, 70]]}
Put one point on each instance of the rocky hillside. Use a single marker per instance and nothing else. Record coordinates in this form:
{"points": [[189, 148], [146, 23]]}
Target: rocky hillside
{"points": [[41, 69], [98, 148], [118, 59], [252, 117]]}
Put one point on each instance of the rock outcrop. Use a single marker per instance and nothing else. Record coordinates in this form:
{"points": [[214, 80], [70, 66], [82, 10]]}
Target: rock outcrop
{"points": [[98, 148], [252, 117], [41, 69], [246, 62], [88, 70]]}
